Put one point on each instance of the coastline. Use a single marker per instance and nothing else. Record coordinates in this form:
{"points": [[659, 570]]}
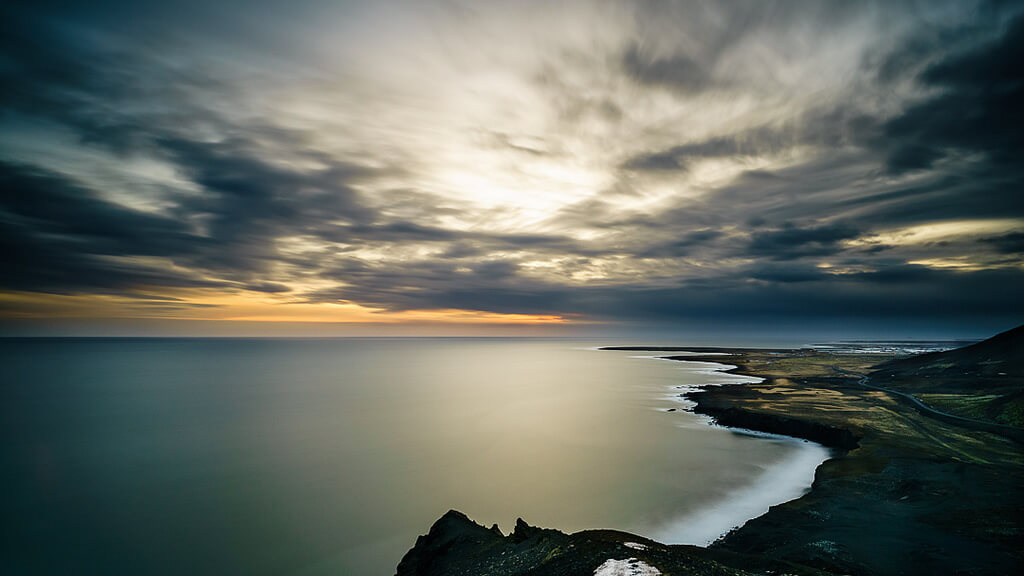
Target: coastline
{"points": [[735, 418], [785, 481], [881, 505], [904, 494]]}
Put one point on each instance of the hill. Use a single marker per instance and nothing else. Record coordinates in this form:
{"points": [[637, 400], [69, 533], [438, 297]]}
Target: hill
{"points": [[983, 381], [1002, 354]]}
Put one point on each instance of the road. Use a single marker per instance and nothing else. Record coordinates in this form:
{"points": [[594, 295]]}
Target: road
{"points": [[1012, 432]]}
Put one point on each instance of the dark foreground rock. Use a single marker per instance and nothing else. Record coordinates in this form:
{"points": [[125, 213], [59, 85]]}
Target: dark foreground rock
{"points": [[456, 546]]}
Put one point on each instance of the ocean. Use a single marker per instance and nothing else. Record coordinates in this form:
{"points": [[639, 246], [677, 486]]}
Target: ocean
{"points": [[329, 456]]}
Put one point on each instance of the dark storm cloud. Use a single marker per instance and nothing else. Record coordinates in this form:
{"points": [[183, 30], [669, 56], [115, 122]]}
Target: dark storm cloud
{"points": [[57, 236], [848, 184], [913, 291], [787, 274], [685, 244], [977, 107], [54, 207], [249, 202], [792, 291], [433, 284], [1012, 243], [110, 94], [792, 241], [977, 191]]}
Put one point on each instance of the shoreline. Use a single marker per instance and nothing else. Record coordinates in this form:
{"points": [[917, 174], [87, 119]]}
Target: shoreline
{"points": [[787, 480], [738, 419], [901, 490]]}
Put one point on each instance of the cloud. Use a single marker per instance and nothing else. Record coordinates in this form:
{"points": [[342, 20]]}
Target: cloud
{"points": [[976, 107], [249, 202], [834, 127], [793, 241], [58, 236], [638, 161], [685, 244], [1012, 243], [677, 72]]}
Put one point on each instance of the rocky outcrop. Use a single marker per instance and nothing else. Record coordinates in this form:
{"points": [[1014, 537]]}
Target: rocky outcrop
{"points": [[457, 546]]}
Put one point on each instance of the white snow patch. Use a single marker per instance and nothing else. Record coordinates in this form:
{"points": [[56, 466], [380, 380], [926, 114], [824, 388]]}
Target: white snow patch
{"points": [[628, 567], [635, 545]]}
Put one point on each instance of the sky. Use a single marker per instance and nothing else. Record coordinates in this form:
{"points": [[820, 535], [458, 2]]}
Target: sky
{"points": [[511, 168]]}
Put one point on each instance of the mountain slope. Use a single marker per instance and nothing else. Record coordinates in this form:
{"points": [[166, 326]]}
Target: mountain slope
{"points": [[983, 381], [1000, 354]]}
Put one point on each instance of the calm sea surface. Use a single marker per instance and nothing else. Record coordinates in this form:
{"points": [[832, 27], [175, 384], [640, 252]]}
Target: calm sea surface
{"points": [[221, 456]]}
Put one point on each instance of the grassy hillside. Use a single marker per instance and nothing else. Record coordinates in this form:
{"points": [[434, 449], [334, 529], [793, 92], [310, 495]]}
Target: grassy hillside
{"points": [[1000, 355], [984, 381]]}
